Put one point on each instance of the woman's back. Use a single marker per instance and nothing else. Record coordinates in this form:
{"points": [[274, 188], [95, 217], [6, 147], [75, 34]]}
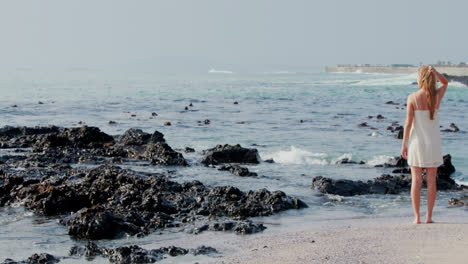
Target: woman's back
{"points": [[420, 98], [424, 144]]}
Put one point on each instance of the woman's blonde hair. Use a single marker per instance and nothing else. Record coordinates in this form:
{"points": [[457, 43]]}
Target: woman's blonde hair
{"points": [[428, 83]]}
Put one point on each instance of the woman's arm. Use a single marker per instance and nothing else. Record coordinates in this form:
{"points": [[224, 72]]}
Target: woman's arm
{"points": [[408, 125], [443, 84]]}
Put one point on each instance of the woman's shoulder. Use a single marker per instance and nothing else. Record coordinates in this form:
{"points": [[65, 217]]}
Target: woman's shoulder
{"points": [[411, 96], [412, 99], [417, 94]]}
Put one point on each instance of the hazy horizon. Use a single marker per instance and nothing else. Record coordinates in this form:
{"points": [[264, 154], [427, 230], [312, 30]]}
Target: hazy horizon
{"points": [[237, 36]]}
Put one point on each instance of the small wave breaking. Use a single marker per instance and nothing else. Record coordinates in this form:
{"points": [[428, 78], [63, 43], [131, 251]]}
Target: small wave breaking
{"points": [[298, 156], [380, 159], [457, 84], [389, 80], [220, 71], [280, 72]]}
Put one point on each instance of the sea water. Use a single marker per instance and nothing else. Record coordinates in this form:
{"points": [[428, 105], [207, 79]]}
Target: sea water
{"points": [[305, 122]]}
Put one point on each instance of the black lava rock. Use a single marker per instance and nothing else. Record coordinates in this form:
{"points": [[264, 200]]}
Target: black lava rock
{"points": [[237, 170], [162, 154], [230, 154]]}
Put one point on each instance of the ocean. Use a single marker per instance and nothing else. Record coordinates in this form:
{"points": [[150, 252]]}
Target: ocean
{"points": [[305, 122]]}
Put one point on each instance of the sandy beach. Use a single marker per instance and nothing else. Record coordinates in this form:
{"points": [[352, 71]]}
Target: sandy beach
{"points": [[367, 240]]}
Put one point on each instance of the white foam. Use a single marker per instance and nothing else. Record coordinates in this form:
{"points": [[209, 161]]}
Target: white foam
{"points": [[281, 72], [463, 181], [456, 84], [298, 156], [348, 156], [381, 159], [220, 71], [389, 80]]}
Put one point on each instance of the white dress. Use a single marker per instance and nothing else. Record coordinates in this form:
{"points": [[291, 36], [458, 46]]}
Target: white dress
{"points": [[424, 143]]}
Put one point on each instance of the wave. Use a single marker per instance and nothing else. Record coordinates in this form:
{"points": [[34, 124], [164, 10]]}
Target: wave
{"points": [[456, 84], [387, 81], [380, 159], [280, 72], [220, 71], [360, 72], [348, 156], [304, 157], [298, 156], [462, 182]]}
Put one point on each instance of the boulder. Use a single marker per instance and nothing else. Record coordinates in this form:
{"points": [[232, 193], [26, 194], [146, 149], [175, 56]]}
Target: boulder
{"points": [[454, 128], [162, 154], [43, 258], [395, 162], [52, 200], [187, 150], [82, 137], [136, 137], [98, 223], [400, 133], [339, 187], [348, 161], [135, 254], [230, 154], [23, 137], [444, 181], [86, 137], [237, 170], [239, 227], [385, 184], [402, 170], [89, 250], [364, 124]]}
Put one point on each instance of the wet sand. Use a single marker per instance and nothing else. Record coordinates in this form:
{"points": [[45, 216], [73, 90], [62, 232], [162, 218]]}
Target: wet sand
{"points": [[366, 240]]}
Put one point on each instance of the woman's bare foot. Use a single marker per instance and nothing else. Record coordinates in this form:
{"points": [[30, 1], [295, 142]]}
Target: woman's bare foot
{"points": [[416, 221], [429, 221]]}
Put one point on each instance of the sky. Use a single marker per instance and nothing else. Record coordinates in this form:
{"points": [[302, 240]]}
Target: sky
{"points": [[241, 34]]}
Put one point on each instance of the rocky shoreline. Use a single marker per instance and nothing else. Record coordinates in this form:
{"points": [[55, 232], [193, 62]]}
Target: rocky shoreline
{"points": [[125, 254], [463, 79], [457, 78], [107, 202], [387, 183]]}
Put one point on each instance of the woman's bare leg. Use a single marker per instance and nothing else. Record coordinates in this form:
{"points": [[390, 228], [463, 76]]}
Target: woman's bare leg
{"points": [[431, 178], [416, 181]]}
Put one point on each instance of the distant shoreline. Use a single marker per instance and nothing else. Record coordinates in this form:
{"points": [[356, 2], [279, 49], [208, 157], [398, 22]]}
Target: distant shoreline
{"points": [[396, 69]]}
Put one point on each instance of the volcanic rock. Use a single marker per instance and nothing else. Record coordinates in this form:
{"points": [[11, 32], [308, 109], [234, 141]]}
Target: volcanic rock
{"points": [[230, 154]]}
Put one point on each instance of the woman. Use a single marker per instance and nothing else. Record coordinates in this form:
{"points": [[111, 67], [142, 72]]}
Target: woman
{"points": [[422, 133]]}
